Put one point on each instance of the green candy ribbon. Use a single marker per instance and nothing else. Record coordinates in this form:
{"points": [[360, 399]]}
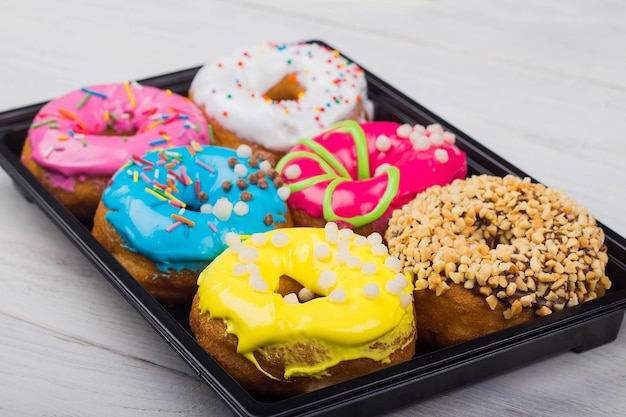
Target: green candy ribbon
{"points": [[338, 173]]}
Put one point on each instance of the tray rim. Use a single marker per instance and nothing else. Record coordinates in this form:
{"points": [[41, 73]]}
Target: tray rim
{"points": [[350, 394]]}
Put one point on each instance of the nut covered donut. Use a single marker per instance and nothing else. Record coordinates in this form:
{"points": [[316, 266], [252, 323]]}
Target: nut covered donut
{"points": [[271, 96], [77, 142], [293, 310], [490, 252], [357, 174], [166, 214]]}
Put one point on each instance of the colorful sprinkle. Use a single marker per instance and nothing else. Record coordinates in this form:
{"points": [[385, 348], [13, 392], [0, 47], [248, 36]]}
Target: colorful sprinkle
{"points": [[131, 98], [141, 161], [178, 177], [173, 226], [170, 196], [43, 123], [158, 142], [183, 219], [71, 115], [93, 92], [205, 166], [145, 178], [82, 102], [154, 193]]}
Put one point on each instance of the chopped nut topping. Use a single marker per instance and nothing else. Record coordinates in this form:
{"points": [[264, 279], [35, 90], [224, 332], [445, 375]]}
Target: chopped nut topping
{"points": [[242, 184], [262, 183], [226, 186], [253, 162], [507, 239], [203, 196]]}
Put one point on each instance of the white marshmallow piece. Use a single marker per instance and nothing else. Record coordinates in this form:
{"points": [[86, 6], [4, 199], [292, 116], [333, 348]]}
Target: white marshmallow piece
{"points": [[441, 155], [436, 139], [374, 238], [393, 286], [293, 172], [449, 137], [231, 238], [327, 280], [368, 268], [223, 209], [382, 143], [393, 263], [421, 143], [380, 250], [241, 208], [291, 298], [248, 255], [321, 251], [404, 130], [434, 128], [346, 234], [265, 166], [331, 232], [206, 208], [419, 129], [253, 269], [244, 151], [241, 170], [240, 270], [338, 296], [279, 239], [258, 239], [371, 290], [283, 192], [405, 299], [354, 262], [305, 295], [380, 169], [257, 283]]}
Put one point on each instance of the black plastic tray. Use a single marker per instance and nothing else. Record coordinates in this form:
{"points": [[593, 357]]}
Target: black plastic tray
{"points": [[429, 373]]}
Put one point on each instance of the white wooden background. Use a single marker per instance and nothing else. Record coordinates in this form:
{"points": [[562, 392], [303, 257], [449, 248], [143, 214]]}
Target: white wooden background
{"points": [[541, 83]]}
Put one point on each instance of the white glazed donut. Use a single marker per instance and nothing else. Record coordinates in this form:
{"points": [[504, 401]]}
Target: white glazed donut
{"points": [[275, 94]]}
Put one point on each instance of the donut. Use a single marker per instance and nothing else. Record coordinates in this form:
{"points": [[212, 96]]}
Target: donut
{"points": [[164, 216], [490, 252], [297, 309], [77, 142], [270, 96], [357, 174]]}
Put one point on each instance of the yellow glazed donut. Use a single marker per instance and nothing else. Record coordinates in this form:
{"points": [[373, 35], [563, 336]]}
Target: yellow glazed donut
{"points": [[293, 310]]}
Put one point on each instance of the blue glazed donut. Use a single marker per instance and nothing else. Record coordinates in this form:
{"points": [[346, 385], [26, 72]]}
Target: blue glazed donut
{"points": [[166, 214]]}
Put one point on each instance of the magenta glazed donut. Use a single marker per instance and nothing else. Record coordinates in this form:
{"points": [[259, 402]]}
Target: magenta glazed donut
{"points": [[357, 174]]}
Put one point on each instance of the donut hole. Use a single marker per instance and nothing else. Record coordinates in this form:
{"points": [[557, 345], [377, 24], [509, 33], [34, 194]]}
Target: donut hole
{"points": [[197, 202], [287, 88], [109, 131], [288, 285], [120, 127]]}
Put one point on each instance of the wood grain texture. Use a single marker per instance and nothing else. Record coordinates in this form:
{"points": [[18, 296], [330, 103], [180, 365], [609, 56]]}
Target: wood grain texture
{"points": [[542, 84]]}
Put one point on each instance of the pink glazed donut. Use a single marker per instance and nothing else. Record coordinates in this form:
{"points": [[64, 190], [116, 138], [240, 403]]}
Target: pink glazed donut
{"points": [[77, 142], [357, 174]]}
